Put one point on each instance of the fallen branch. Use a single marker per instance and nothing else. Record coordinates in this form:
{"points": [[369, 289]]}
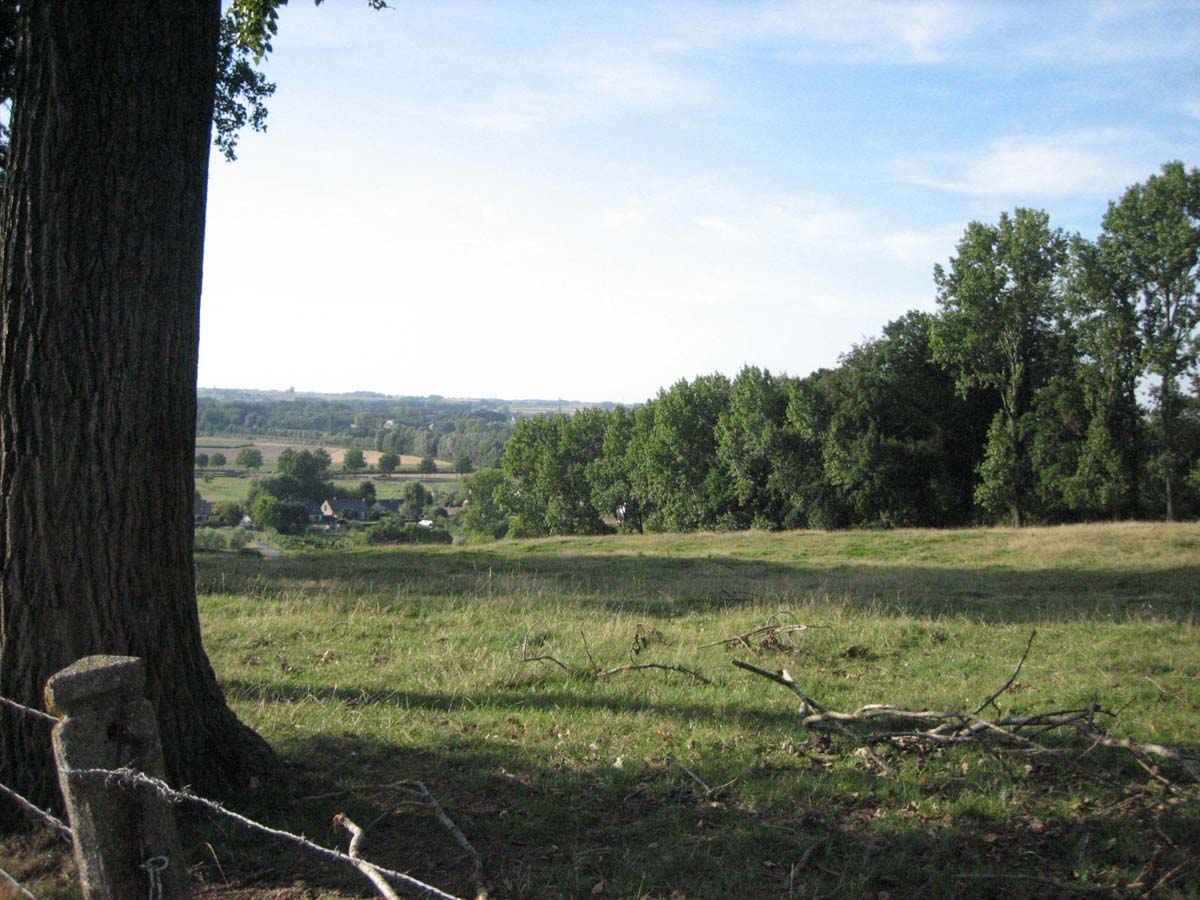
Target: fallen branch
{"points": [[635, 667], [770, 632], [991, 701], [341, 820], [596, 670], [885, 723], [417, 795], [708, 791]]}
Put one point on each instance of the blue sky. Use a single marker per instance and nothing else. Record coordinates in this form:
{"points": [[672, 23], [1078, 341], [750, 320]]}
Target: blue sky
{"points": [[593, 200]]}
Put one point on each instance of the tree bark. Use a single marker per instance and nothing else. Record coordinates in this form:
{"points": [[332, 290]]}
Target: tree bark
{"points": [[100, 269]]}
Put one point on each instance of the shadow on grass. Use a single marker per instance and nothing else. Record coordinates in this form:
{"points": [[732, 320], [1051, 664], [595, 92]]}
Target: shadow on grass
{"points": [[514, 701], [563, 828], [666, 586]]}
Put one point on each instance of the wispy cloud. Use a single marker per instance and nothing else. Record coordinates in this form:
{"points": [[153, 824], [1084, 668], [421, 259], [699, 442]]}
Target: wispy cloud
{"points": [[1117, 33], [869, 31], [851, 31], [1066, 164]]}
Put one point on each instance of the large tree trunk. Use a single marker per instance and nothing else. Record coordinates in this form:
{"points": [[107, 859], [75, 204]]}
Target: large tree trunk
{"points": [[100, 266]]}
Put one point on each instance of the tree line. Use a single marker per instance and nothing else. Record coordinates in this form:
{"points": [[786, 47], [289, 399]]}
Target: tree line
{"points": [[1050, 385], [418, 426]]}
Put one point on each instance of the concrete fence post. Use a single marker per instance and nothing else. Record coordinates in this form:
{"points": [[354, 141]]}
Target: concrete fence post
{"points": [[126, 845]]}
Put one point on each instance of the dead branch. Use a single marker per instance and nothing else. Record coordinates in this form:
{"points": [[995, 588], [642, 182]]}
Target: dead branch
{"points": [[771, 631], [991, 701], [782, 677], [341, 820], [417, 794], [708, 791], [632, 667], [547, 658], [885, 723], [481, 891], [596, 670]]}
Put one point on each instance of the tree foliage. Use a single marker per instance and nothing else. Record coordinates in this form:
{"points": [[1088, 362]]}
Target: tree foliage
{"points": [[1152, 237], [1000, 301]]}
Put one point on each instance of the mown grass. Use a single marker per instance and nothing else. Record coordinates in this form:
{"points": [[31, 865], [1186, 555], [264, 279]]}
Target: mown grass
{"points": [[364, 667]]}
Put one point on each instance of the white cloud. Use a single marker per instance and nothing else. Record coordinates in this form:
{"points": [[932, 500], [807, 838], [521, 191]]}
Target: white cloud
{"points": [[851, 31], [1191, 107], [1092, 163]]}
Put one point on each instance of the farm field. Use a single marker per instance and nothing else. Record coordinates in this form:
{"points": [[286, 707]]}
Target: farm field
{"points": [[479, 670], [229, 483]]}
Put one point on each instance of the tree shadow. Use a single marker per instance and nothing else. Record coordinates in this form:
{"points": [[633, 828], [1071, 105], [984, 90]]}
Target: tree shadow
{"points": [[670, 586], [583, 829]]}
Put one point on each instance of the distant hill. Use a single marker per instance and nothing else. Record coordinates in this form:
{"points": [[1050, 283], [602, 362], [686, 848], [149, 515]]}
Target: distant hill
{"points": [[442, 427]]}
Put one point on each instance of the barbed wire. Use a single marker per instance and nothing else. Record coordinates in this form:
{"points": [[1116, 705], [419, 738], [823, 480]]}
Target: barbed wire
{"points": [[132, 777], [54, 824], [35, 713], [20, 888]]}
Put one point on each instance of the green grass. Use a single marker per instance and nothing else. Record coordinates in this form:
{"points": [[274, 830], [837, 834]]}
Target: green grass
{"points": [[367, 666], [215, 485]]}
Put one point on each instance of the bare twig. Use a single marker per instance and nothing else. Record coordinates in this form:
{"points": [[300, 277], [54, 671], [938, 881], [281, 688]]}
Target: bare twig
{"points": [[1141, 748], [636, 667], [991, 701], [696, 778], [769, 631], [785, 679], [41, 815], [1039, 879], [1170, 876], [341, 820], [708, 791], [481, 891], [598, 671], [547, 658], [132, 777]]}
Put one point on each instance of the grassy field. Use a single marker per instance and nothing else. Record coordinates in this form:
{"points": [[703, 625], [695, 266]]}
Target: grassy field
{"points": [[367, 667], [228, 483]]}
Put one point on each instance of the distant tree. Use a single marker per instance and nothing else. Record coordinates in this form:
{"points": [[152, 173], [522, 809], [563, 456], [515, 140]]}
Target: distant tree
{"points": [[201, 460], [1103, 308], [250, 458], [484, 514], [1153, 236], [303, 473], [278, 515], [218, 459], [463, 464], [354, 461], [613, 492], [389, 461], [366, 492], [900, 447], [427, 466], [999, 302], [752, 444], [416, 498], [678, 474], [226, 512]]}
